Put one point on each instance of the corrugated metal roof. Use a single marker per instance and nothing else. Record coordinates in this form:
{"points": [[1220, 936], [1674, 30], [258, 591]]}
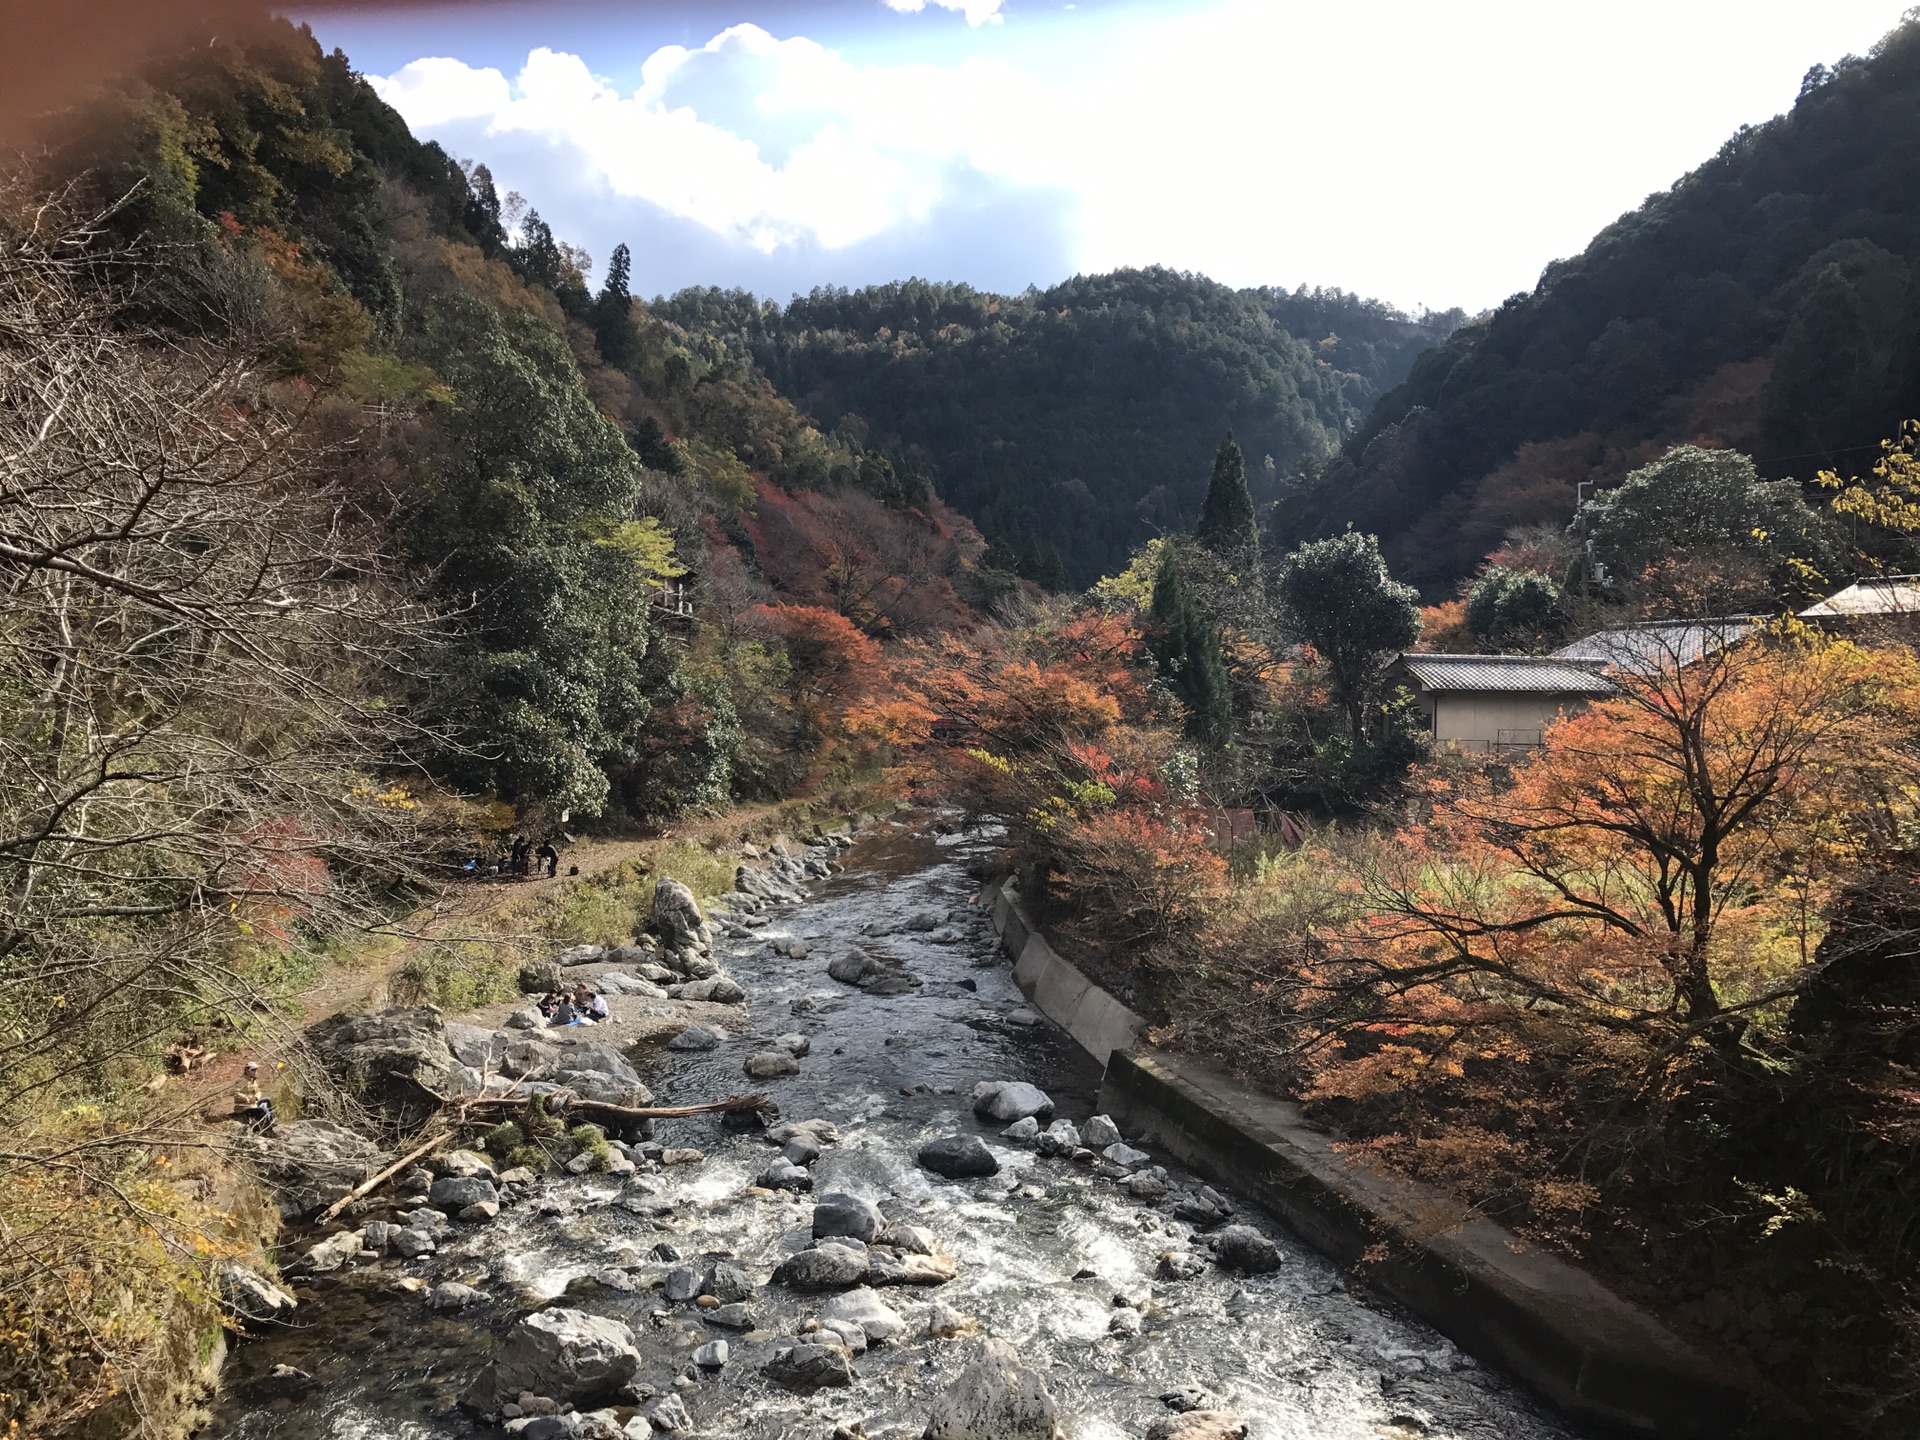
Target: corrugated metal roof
{"points": [[1655, 644], [1520, 674], [1888, 595]]}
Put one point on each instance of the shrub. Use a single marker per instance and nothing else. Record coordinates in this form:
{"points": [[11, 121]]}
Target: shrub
{"points": [[505, 1138], [460, 976], [592, 1140]]}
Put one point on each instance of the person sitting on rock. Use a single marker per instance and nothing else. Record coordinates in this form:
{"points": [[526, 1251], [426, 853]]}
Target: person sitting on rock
{"points": [[595, 1007], [252, 1108], [564, 1013], [551, 1002]]}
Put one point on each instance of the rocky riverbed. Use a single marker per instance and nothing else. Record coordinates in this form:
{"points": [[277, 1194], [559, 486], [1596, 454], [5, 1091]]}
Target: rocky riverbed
{"points": [[938, 1238]]}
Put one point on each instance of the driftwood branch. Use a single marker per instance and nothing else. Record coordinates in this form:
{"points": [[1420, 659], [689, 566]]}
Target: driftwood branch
{"points": [[367, 1187], [574, 1105]]}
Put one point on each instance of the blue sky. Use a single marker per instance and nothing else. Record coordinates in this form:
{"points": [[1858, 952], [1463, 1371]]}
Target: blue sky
{"points": [[1430, 153]]}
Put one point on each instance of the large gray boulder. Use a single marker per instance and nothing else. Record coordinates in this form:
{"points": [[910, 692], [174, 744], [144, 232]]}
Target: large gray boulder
{"points": [[1241, 1247], [456, 1192], [958, 1157], [1198, 1425], [388, 1059], [309, 1164], [567, 1354], [824, 1267], [684, 934], [811, 1367], [1011, 1100], [994, 1398], [836, 1214], [537, 977], [867, 1310], [252, 1298]]}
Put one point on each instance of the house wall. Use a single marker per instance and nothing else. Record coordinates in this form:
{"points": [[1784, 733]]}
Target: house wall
{"points": [[1490, 719]]}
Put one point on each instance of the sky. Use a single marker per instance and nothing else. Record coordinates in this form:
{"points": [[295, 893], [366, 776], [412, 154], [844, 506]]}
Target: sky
{"points": [[1428, 152]]}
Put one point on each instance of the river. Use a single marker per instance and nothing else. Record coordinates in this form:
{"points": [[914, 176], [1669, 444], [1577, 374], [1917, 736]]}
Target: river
{"points": [[1048, 1251]]}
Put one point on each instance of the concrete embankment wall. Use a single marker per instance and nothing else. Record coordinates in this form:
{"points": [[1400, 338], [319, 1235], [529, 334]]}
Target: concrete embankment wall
{"points": [[1503, 1300]]}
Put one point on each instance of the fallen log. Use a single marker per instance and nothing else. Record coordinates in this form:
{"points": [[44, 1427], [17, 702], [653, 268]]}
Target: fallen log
{"points": [[563, 1102], [367, 1187]]}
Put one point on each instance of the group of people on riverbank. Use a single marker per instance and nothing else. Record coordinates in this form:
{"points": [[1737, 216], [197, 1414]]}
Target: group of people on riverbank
{"points": [[583, 1005], [523, 860]]}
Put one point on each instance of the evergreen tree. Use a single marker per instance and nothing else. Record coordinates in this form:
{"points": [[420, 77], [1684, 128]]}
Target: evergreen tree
{"points": [[1187, 652], [1336, 596], [1052, 571], [613, 312], [1227, 526], [482, 217]]}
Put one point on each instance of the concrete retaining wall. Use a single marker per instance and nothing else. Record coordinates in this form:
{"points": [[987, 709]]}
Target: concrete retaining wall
{"points": [[1098, 1023], [1499, 1298]]}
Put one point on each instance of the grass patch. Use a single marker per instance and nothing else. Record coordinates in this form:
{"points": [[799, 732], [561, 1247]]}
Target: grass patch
{"points": [[460, 976]]}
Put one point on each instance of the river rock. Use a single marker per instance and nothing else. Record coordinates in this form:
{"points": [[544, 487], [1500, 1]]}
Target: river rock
{"points": [[821, 1132], [771, 1064], [1198, 1425], [1146, 1186], [736, 1316], [718, 989], [537, 977], [333, 1252], [618, 982], [480, 1212], [1204, 1208], [1062, 1137], [580, 955], [727, 1283], [856, 967], [1025, 1128], [891, 1267], [837, 1214], [464, 1164], [562, 1352], [667, 1412], [385, 1058], [1125, 1156], [1125, 1322], [1241, 1247], [1183, 1398], [452, 1295], [810, 1367], [526, 1017], [994, 1398], [958, 1157], [411, 1244], [683, 1283], [796, 1045], [684, 934], [826, 1266], [309, 1164], [1179, 1265], [893, 981], [252, 1298], [456, 1192], [698, 1037], [800, 1150], [1100, 1132], [1011, 1100], [783, 1174], [867, 1310], [946, 1323], [712, 1355], [908, 1238], [841, 1332]]}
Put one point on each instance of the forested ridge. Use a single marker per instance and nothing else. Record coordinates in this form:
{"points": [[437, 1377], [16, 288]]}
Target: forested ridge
{"points": [[1769, 301], [1082, 417]]}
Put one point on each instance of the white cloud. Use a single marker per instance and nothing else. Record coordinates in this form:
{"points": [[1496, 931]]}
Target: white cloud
{"points": [[978, 12], [1423, 153]]}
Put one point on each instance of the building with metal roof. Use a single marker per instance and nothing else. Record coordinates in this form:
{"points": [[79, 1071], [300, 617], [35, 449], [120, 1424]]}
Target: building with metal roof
{"points": [[1496, 703], [1650, 646], [1881, 597]]}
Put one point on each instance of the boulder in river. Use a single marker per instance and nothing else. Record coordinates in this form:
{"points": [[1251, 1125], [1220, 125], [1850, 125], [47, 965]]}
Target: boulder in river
{"points": [[452, 1295], [464, 1164], [1100, 1132], [795, 1044], [1062, 1137], [252, 1298], [718, 989], [332, 1252], [388, 1058], [1125, 1156], [836, 1214], [309, 1164], [825, 1266], [1023, 1129], [811, 1367], [994, 1398], [867, 1310], [783, 1174], [958, 1157], [559, 1352], [1011, 1100], [1198, 1425], [887, 1266], [667, 1412], [856, 967], [1241, 1247], [771, 1064], [457, 1192], [822, 1132], [727, 1283], [698, 1037]]}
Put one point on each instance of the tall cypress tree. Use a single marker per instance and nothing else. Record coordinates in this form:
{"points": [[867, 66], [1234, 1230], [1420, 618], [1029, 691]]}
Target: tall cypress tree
{"points": [[1227, 526], [1187, 652], [612, 311]]}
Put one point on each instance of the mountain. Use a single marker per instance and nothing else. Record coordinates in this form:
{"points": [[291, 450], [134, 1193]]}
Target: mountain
{"points": [[1769, 301], [1082, 418]]}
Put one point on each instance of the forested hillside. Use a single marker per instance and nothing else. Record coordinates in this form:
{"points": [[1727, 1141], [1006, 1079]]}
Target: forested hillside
{"points": [[1769, 302], [1083, 417]]}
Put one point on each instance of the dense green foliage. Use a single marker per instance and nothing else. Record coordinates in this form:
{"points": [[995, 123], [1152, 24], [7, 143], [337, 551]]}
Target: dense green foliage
{"points": [[1186, 650], [1769, 301], [1517, 609], [1227, 524], [1082, 415], [1336, 596]]}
